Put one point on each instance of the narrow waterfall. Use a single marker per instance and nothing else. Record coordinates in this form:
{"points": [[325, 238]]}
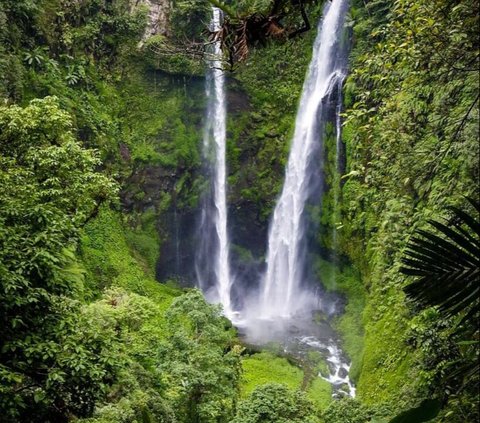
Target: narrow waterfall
{"points": [[281, 291], [213, 263], [338, 169]]}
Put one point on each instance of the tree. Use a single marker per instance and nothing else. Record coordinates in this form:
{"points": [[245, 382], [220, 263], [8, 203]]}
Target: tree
{"points": [[50, 188], [350, 410], [254, 22], [275, 403], [199, 362], [246, 24], [134, 392]]}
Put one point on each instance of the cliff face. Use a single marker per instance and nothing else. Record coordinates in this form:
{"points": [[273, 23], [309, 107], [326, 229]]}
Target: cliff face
{"points": [[157, 17]]}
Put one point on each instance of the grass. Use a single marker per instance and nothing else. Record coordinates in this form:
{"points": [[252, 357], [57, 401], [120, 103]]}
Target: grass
{"points": [[266, 367], [320, 393]]}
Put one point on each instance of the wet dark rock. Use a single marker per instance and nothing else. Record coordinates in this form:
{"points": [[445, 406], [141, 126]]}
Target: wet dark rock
{"points": [[177, 255], [237, 99], [342, 372], [146, 186], [125, 152]]}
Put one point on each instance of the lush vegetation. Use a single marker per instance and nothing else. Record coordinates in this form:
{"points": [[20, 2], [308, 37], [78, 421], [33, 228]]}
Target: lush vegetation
{"points": [[49, 190], [273, 79], [412, 147], [100, 131]]}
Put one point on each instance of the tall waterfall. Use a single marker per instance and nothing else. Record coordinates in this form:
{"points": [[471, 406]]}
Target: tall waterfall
{"points": [[281, 291], [213, 263], [338, 169]]}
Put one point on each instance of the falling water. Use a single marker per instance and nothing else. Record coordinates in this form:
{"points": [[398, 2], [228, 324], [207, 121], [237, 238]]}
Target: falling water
{"points": [[177, 240], [338, 368], [214, 212], [283, 313], [281, 291], [336, 180]]}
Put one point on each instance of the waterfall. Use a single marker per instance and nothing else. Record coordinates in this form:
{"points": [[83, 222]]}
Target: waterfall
{"points": [[281, 292], [337, 181], [213, 263]]}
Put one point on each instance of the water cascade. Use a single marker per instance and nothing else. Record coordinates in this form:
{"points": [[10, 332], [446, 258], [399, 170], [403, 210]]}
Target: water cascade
{"points": [[338, 169], [282, 294], [213, 263], [339, 369], [283, 311]]}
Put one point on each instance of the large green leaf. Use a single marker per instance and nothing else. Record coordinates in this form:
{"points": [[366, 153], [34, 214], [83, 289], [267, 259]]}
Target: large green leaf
{"points": [[446, 264], [425, 412]]}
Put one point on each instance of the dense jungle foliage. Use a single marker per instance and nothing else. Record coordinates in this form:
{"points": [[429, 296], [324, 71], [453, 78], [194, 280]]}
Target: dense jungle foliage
{"points": [[100, 133]]}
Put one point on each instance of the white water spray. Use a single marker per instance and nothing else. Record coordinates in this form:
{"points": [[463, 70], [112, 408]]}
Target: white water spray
{"points": [[281, 291], [214, 140]]}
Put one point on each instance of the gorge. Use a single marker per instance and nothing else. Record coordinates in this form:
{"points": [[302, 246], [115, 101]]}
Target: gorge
{"points": [[239, 211]]}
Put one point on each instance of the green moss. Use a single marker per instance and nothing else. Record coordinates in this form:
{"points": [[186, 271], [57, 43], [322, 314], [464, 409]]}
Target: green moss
{"points": [[110, 261], [144, 241], [317, 362], [272, 79], [320, 392], [243, 254], [265, 367], [328, 214], [387, 361], [347, 281], [155, 123]]}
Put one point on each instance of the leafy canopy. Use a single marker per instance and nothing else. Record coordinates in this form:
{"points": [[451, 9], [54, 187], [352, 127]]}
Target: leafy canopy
{"points": [[275, 403], [50, 188], [199, 361]]}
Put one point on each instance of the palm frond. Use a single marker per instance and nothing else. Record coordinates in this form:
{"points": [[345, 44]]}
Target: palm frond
{"points": [[446, 264]]}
